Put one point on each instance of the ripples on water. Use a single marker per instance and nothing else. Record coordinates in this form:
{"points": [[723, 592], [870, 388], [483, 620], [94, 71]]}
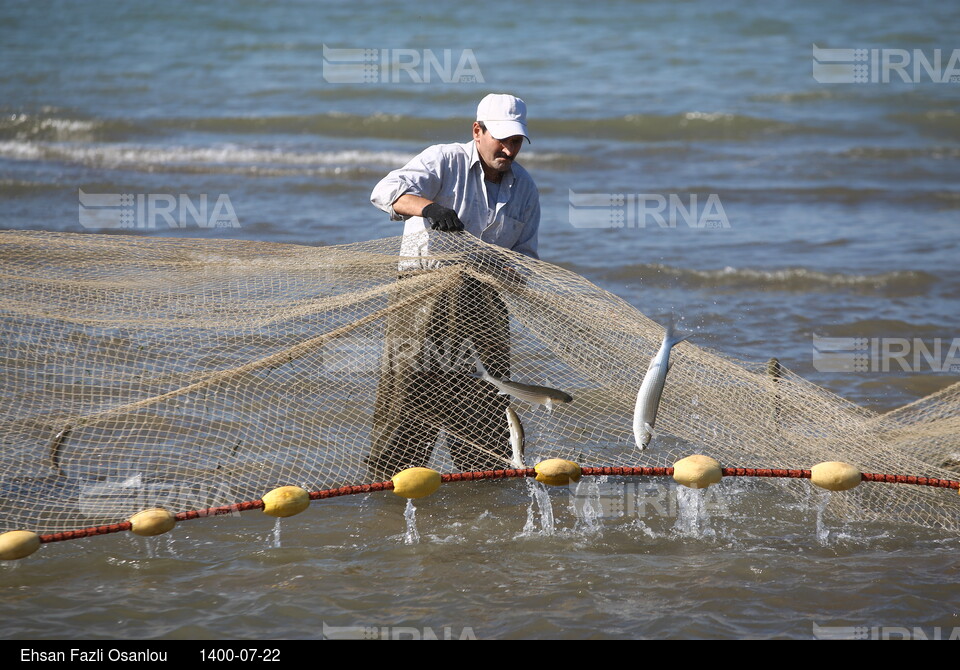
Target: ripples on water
{"points": [[620, 558]]}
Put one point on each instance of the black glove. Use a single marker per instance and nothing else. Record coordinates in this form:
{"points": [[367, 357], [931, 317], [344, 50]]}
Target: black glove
{"points": [[441, 218]]}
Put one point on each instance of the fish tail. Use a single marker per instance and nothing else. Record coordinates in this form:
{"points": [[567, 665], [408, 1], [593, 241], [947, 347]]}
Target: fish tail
{"points": [[481, 371], [671, 336]]}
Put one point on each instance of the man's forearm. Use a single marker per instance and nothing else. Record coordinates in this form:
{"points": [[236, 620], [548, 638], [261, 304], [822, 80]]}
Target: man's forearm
{"points": [[409, 204], [436, 216]]}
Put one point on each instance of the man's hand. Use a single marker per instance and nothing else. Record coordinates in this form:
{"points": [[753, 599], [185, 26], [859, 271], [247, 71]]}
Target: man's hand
{"points": [[442, 218]]}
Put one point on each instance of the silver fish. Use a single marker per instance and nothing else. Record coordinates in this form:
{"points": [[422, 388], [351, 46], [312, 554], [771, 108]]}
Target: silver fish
{"points": [[55, 445], [516, 439], [648, 398], [535, 395], [775, 372]]}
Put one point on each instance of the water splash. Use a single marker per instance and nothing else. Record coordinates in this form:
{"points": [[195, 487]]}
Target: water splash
{"points": [[530, 527], [168, 541], [276, 534], [823, 533], [546, 508], [539, 497], [412, 536], [693, 518], [586, 505], [640, 525], [158, 546]]}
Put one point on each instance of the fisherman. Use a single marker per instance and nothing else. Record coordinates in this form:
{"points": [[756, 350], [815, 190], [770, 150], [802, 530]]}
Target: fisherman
{"points": [[476, 187]]}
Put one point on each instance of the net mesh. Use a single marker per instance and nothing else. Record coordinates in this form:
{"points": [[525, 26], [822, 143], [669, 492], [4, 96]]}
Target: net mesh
{"points": [[186, 374]]}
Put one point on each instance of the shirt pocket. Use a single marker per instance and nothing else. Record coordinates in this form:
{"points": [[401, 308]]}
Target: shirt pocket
{"points": [[508, 232]]}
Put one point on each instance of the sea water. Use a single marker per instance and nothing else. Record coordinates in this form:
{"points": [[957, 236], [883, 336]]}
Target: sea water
{"points": [[839, 219]]}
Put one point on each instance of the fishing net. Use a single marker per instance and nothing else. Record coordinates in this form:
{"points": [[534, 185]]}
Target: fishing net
{"points": [[188, 374]]}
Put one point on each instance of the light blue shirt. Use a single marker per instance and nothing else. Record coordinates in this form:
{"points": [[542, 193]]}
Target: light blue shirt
{"points": [[452, 175]]}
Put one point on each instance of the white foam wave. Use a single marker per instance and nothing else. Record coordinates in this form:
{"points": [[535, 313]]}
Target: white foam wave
{"points": [[231, 158], [52, 129], [128, 155]]}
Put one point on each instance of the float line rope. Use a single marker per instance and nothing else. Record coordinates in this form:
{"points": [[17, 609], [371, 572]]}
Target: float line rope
{"points": [[498, 474]]}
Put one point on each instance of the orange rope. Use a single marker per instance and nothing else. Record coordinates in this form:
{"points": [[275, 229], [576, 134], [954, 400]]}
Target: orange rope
{"points": [[350, 490], [765, 472], [487, 474], [627, 472], [910, 479]]}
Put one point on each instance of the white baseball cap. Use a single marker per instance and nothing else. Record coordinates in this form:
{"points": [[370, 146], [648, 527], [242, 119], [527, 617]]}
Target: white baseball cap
{"points": [[503, 115]]}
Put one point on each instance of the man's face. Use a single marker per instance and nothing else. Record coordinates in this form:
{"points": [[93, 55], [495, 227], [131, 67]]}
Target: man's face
{"points": [[497, 154]]}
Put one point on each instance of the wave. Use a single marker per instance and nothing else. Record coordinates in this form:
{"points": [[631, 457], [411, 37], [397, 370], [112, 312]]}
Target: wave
{"points": [[58, 125], [850, 196], [684, 126], [763, 27], [843, 195], [941, 123], [830, 193], [900, 283], [230, 158], [11, 188], [51, 126], [874, 327], [939, 152], [127, 154], [640, 127], [816, 95]]}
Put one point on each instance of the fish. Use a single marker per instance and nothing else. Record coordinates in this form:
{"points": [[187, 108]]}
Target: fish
{"points": [[535, 395], [516, 439], [55, 445], [775, 372], [648, 397]]}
